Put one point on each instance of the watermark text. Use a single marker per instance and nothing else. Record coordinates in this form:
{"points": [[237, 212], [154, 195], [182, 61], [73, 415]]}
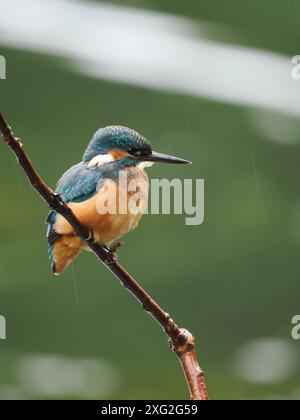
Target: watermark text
{"points": [[2, 328], [296, 67], [130, 196], [2, 67], [296, 328]]}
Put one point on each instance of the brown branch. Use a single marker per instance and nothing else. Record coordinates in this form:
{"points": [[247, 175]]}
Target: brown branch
{"points": [[181, 341]]}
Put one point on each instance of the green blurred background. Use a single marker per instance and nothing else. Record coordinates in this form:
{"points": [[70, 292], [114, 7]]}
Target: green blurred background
{"points": [[233, 281]]}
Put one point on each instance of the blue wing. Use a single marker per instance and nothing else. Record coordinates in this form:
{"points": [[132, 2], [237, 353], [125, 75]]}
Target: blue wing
{"points": [[76, 185]]}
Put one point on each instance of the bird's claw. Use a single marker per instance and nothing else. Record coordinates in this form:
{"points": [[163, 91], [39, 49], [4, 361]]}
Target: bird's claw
{"points": [[110, 256]]}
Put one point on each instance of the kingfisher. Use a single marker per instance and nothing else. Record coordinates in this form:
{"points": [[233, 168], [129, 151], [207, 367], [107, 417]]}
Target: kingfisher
{"points": [[96, 179]]}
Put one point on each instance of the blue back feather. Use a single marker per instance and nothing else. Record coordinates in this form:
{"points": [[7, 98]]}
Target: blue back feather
{"points": [[76, 185]]}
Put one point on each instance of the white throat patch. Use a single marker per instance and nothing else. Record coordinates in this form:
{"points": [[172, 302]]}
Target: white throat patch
{"points": [[100, 160], [144, 165]]}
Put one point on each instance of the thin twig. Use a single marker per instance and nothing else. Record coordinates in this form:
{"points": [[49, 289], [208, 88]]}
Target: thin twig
{"points": [[181, 341]]}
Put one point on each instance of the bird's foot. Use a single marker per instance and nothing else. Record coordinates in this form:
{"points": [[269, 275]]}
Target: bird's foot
{"points": [[110, 253], [110, 256]]}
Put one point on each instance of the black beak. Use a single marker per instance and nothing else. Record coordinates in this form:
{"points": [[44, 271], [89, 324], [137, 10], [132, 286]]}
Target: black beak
{"points": [[160, 157]]}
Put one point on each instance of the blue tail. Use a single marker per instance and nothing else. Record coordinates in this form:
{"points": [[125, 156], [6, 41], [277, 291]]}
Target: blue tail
{"points": [[52, 237]]}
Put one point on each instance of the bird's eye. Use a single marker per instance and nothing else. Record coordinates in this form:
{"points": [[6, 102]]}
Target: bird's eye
{"points": [[139, 153], [135, 153]]}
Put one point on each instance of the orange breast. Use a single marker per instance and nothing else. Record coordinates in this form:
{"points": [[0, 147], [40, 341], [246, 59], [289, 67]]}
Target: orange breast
{"points": [[113, 211]]}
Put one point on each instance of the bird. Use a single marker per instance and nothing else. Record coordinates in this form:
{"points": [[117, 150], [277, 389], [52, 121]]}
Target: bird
{"points": [[96, 179]]}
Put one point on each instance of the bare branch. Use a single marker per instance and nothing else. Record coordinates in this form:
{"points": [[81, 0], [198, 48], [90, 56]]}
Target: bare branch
{"points": [[181, 341]]}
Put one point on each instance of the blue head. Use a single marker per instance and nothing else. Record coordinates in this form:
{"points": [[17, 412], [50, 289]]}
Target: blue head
{"points": [[124, 145]]}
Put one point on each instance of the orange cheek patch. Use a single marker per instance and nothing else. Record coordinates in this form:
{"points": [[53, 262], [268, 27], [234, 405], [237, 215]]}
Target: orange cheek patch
{"points": [[118, 154]]}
